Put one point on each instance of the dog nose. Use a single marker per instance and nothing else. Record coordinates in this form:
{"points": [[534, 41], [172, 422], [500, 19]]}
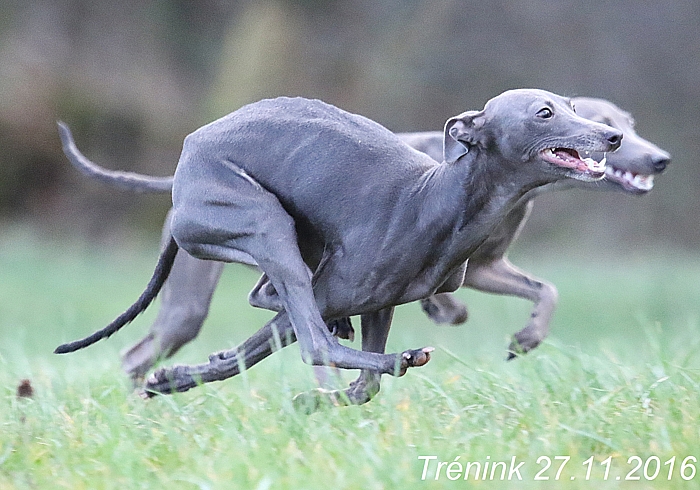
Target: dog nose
{"points": [[660, 161], [614, 138]]}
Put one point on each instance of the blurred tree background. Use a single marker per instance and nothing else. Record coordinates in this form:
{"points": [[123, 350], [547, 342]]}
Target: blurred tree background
{"points": [[132, 78]]}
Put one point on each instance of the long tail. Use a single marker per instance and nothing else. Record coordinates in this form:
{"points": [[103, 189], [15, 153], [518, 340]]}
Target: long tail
{"points": [[123, 180], [165, 263]]}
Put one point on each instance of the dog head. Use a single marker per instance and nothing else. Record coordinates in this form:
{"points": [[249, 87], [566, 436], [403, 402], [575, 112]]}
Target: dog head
{"points": [[632, 167], [534, 131]]}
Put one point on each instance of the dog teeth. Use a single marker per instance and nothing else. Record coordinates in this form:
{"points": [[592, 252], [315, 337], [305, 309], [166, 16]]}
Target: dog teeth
{"points": [[644, 182], [594, 165], [641, 182]]}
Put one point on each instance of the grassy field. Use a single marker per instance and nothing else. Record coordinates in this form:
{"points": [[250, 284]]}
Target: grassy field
{"points": [[613, 395]]}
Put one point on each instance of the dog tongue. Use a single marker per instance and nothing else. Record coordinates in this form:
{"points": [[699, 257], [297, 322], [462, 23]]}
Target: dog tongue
{"points": [[572, 158], [567, 157]]}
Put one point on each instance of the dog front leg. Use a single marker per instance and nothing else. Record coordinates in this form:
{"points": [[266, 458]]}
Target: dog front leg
{"points": [[443, 307], [375, 331], [265, 296], [502, 277]]}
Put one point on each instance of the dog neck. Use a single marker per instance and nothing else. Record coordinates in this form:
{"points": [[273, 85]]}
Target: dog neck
{"points": [[489, 188]]}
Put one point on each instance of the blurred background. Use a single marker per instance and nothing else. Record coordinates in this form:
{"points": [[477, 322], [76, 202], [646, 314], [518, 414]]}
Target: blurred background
{"points": [[132, 78]]}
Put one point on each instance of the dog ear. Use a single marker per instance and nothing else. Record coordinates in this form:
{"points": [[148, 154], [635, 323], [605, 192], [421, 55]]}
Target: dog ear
{"points": [[461, 132]]}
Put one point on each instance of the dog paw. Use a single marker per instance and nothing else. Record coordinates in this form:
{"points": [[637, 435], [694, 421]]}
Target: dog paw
{"points": [[342, 328], [168, 380], [415, 358], [523, 342]]}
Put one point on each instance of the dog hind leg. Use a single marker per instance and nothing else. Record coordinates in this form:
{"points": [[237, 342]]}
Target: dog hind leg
{"points": [[276, 334], [222, 221], [185, 300], [184, 305]]}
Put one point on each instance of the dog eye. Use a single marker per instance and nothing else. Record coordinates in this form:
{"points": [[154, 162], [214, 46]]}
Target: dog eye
{"points": [[545, 113]]}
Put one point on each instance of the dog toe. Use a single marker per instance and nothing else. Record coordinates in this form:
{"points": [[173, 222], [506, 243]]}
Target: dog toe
{"points": [[415, 358]]}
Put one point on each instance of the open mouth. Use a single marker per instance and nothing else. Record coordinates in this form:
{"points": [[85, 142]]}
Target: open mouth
{"points": [[630, 181], [570, 159]]}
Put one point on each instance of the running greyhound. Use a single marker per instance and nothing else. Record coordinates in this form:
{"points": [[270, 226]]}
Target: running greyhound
{"points": [[346, 219], [630, 169], [187, 293]]}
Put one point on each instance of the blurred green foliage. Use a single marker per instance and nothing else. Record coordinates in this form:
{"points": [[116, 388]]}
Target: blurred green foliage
{"points": [[134, 78]]}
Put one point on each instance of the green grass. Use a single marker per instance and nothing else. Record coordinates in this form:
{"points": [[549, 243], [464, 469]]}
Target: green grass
{"points": [[619, 377]]}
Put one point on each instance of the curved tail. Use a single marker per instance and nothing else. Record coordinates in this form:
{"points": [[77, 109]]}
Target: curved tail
{"points": [[123, 180], [165, 263]]}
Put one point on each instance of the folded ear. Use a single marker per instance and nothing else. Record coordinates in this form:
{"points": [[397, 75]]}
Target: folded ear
{"points": [[461, 132]]}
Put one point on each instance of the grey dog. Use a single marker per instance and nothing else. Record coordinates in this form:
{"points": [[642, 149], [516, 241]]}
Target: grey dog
{"points": [[187, 293], [630, 169], [346, 219]]}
